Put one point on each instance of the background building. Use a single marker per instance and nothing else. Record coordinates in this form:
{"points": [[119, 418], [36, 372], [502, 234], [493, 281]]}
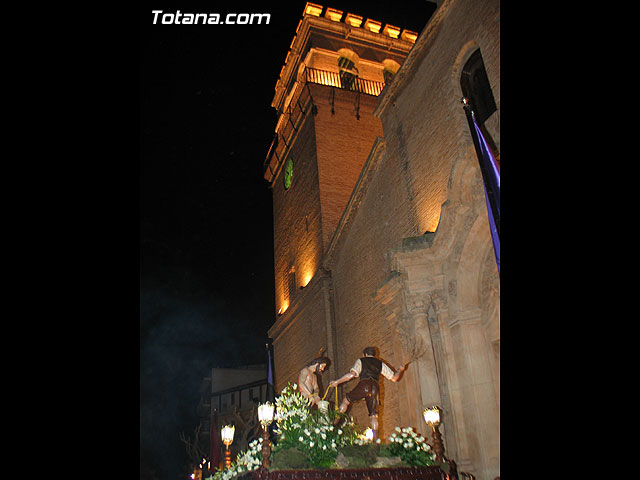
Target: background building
{"points": [[232, 395], [381, 234]]}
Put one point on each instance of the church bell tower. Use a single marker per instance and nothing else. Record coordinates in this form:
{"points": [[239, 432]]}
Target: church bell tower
{"points": [[337, 65]]}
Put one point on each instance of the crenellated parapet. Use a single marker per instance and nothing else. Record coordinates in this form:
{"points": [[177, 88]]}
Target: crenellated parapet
{"points": [[334, 41]]}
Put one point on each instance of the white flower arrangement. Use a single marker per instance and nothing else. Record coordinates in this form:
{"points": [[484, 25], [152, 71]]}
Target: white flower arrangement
{"points": [[292, 409], [319, 436], [409, 439], [411, 446], [308, 431], [245, 462]]}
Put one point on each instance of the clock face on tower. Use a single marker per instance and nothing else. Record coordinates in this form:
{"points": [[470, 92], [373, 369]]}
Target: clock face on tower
{"points": [[288, 173]]}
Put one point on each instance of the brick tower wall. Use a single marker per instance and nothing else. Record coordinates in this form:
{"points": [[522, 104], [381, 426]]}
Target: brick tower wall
{"points": [[343, 143]]}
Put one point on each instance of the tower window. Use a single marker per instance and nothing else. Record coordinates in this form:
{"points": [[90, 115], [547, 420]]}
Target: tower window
{"points": [[475, 86], [390, 69], [345, 64], [348, 69], [292, 282]]}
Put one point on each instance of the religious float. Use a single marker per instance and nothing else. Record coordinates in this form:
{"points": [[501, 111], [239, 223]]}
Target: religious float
{"points": [[306, 445]]}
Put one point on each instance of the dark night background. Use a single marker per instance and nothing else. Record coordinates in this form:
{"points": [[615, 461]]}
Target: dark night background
{"points": [[206, 235]]}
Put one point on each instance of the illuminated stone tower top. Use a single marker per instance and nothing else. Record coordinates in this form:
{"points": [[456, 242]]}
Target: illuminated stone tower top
{"points": [[339, 49]]}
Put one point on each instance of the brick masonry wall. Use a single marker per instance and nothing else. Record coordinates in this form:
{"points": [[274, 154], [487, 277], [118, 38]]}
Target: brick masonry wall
{"points": [[297, 217], [361, 266], [425, 127], [303, 334], [343, 144], [300, 332]]}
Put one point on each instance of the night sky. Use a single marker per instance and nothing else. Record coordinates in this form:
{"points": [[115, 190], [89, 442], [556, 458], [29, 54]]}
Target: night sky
{"points": [[206, 235]]}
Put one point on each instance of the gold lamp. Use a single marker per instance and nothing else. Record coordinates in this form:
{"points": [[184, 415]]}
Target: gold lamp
{"points": [[432, 418], [227, 438], [265, 416]]}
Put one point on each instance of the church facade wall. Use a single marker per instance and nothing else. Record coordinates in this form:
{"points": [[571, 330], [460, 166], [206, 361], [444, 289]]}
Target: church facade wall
{"points": [[432, 301], [391, 219]]}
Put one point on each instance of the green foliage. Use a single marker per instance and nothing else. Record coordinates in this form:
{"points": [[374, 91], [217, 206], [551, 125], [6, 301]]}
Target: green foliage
{"points": [[289, 459], [361, 456]]}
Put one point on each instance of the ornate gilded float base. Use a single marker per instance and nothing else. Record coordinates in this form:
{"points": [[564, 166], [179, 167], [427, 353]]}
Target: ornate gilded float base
{"points": [[402, 473]]}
